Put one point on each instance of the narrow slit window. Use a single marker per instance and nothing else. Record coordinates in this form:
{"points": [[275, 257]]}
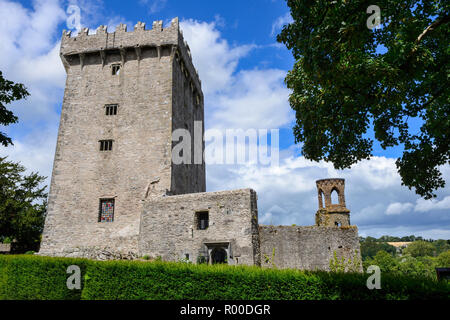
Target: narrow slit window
{"points": [[106, 211], [197, 100], [111, 109], [106, 145], [115, 69], [202, 220]]}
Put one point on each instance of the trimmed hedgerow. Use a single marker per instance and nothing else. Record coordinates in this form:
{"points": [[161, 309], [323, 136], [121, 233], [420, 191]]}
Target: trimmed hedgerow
{"points": [[32, 277], [162, 280], [26, 277]]}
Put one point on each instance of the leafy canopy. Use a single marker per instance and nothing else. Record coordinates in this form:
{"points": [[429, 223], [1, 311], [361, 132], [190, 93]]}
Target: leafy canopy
{"points": [[420, 249], [22, 205], [9, 92], [348, 78]]}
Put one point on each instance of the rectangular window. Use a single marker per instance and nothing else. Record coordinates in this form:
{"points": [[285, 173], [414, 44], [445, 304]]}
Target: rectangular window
{"points": [[106, 145], [106, 212], [115, 69], [202, 220], [111, 109]]}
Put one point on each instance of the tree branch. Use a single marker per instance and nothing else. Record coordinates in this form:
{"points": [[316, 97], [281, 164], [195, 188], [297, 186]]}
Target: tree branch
{"points": [[432, 27]]}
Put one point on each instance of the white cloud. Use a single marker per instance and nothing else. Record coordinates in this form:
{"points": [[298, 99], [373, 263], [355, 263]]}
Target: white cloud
{"points": [[421, 205], [43, 69], [428, 205], [30, 55], [255, 98], [214, 58], [399, 208], [34, 151], [28, 32], [280, 22]]}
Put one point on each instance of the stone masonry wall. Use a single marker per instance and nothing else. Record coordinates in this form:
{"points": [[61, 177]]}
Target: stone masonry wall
{"points": [[168, 226], [307, 247], [188, 108], [139, 166]]}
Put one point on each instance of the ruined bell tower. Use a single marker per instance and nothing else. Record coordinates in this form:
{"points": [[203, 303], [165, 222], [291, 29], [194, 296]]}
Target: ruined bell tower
{"points": [[126, 92], [332, 214]]}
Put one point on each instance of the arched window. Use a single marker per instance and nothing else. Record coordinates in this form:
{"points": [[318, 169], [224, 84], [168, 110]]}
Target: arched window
{"points": [[334, 197], [321, 199]]}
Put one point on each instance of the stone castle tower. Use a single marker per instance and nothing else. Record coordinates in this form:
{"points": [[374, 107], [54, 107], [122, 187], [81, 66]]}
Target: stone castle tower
{"points": [[126, 92], [332, 214]]}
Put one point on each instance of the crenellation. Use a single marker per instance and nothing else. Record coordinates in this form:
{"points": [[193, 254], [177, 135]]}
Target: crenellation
{"points": [[121, 28], [104, 42], [139, 26], [157, 25], [101, 30], [84, 32]]}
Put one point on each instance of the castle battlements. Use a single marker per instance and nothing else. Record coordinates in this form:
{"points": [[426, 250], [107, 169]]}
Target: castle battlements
{"points": [[103, 42]]}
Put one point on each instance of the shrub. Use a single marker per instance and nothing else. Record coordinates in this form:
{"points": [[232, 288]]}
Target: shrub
{"points": [[419, 249], [443, 260], [37, 278]]}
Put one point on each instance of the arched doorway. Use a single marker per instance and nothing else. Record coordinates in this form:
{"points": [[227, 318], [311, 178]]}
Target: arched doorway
{"points": [[218, 255]]}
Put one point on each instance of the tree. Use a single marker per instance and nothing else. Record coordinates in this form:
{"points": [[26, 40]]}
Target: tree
{"points": [[22, 206], [419, 249], [349, 78], [370, 248], [441, 246], [443, 260], [9, 92], [384, 260]]}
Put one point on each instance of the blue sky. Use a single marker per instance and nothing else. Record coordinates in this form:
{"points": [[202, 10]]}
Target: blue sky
{"points": [[242, 69]]}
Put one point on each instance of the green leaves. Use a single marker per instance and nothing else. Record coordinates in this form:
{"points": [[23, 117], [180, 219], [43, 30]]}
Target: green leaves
{"points": [[348, 78], [9, 92], [22, 205], [35, 277]]}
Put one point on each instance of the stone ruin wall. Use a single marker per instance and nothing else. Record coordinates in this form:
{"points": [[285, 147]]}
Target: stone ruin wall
{"points": [[168, 227], [306, 247]]}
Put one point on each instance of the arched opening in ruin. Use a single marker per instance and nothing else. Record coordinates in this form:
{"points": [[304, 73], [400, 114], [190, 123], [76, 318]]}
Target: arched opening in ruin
{"points": [[218, 255], [334, 197], [321, 199]]}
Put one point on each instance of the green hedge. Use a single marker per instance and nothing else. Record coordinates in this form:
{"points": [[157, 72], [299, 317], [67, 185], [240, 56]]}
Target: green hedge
{"points": [[37, 278], [33, 277]]}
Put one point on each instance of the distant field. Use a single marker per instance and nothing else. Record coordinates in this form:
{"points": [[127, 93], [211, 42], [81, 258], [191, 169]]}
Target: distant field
{"points": [[35, 277]]}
